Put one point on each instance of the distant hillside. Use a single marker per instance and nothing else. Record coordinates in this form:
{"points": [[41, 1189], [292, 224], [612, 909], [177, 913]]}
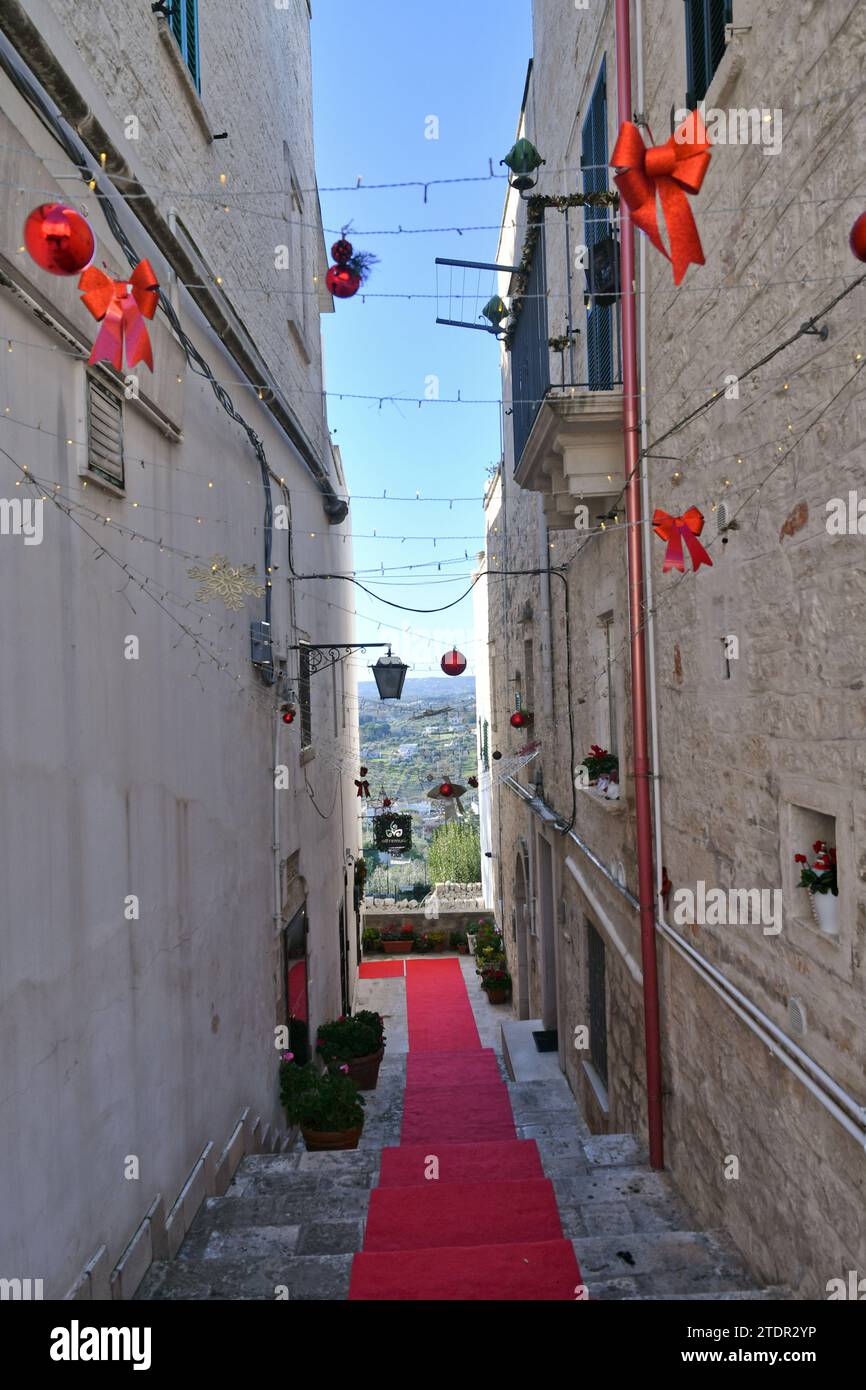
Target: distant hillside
{"points": [[439, 689]]}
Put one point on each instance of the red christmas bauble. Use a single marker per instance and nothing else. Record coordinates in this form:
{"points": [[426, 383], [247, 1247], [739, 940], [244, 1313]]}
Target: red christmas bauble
{"points": [[289, 716], [454, 663], [858, 237], [446, 789], [386, 802], [520, 719], [342, 251], [59, 239], [342, 282]]}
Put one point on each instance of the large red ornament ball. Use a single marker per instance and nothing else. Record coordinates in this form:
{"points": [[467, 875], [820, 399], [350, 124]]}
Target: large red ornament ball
{"points": [[446, 789], [342, 282], [454, 663], [520, 719], [858, 237], [59, 239]]}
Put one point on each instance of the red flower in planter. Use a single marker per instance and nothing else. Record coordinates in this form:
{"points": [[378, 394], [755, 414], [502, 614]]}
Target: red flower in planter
{"points": [[800, 859]]}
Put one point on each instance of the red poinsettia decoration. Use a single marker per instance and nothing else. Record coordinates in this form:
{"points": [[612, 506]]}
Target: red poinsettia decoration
{"points": [[821, 876]]}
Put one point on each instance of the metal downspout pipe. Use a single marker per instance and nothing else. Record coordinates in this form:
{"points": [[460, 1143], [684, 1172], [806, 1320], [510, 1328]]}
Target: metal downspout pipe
{"points": [[634, 518]]}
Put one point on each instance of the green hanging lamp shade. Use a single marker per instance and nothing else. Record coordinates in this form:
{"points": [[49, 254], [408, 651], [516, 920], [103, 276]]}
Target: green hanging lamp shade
{"points": [[494, 311], [523, 160]]}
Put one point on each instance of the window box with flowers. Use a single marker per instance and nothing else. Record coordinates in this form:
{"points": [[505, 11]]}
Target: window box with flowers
{"points": [[821, 882], [603, 770]]}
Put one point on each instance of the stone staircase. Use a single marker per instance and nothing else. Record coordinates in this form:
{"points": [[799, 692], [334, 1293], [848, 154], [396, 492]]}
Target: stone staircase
{"points": [[290, 1223]]}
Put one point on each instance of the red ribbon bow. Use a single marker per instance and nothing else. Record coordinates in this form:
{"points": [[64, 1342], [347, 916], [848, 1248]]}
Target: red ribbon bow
{"points": [[673, 169], [363, 788], [122, 306], [675, 530]]}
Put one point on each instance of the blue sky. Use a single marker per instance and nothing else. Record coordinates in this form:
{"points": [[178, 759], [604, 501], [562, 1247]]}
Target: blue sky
{"points": [[379, 73]]}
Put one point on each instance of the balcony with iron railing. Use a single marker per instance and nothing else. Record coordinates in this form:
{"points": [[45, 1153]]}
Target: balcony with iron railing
{"points": [[566, 396]]}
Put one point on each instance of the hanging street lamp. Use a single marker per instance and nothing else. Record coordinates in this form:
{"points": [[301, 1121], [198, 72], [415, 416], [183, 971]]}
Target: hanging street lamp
{"points": [[494, 311], [523, 160], [389, 674]]}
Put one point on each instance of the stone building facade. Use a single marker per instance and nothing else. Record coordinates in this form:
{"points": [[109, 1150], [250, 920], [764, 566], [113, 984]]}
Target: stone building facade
{"points": [[758, 742], [176, 859]]}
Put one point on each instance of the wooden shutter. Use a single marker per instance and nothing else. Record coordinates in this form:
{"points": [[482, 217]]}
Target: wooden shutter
{"points": [[104, 431]]}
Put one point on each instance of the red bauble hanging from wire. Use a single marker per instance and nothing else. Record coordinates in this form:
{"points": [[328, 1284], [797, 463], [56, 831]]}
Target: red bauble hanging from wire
{"points": [[59, 239], [454, 663], [350, 270], [446, 789], [521, 719], [858, 237]]}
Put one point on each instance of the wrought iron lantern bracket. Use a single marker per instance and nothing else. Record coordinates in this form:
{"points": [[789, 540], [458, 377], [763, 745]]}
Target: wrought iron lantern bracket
{"points": [[324, 655]]}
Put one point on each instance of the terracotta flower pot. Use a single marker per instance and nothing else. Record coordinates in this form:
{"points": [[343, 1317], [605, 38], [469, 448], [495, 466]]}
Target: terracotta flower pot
{"points": [[398, 948], [496, 996], [463, 950], [321, 1141], [364, 1071]]}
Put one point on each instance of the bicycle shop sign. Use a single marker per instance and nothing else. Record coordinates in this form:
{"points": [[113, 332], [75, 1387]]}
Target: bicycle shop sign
{"points": [[392, 833]]}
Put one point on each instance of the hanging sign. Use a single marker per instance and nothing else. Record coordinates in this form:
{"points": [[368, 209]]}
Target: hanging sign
{"points": [[392, 833]]}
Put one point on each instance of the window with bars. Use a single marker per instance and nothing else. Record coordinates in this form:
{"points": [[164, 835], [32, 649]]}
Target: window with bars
{"points": [[304, 698], [596, 977], [183, 19], [705, 44], [104, 431], [596, 228]]}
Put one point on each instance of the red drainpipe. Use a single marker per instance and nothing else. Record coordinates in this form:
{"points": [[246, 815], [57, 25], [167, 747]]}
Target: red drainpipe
{"points": [[634, 517]]}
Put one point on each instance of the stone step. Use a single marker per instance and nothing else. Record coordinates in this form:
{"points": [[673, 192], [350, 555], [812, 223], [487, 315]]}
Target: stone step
{"points": [[303, 1172], [301, 1278], [778, 1293], [660, 1263]]}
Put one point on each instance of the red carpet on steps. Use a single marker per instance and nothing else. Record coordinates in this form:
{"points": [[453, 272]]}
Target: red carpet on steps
{"points": [[381, 970], [463, 1209]]}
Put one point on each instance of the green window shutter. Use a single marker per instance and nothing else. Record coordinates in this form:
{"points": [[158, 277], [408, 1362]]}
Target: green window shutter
{"points": [[191, 52], [183, 19], [705, 44]]}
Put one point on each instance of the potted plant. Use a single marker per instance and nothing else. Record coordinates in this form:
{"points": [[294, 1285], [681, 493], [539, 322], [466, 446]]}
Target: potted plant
{"points": [[599, 763], [458, 942], [496, 982], [437, 940], [820, 879], [371, 940], [326, 1106], [355, 1043], [422, 944], [398, 941]]}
